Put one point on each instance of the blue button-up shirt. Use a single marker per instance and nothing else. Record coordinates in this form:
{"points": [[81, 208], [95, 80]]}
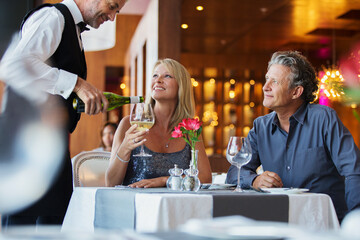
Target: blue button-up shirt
{"points": [[318, 153]]}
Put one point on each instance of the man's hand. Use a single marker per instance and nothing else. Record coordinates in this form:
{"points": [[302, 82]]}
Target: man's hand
{"points": [[267, 179], [94, 99]]}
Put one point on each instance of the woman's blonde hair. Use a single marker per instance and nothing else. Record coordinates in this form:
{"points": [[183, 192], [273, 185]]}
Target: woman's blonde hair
{"points": [[186, 104]]}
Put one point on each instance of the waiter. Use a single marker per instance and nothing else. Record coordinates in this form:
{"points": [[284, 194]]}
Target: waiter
{"points": [[51, 44]]}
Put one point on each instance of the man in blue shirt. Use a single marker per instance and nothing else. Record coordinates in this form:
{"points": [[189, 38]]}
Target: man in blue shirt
{"points": [[300, 144]]}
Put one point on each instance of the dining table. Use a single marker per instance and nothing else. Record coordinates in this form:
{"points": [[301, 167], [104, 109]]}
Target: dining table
{"points": [[159, 209]]}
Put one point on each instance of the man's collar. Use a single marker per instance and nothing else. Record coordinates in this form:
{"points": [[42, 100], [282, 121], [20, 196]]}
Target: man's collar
{"points": [[275, 122], [74, 9], [299, 116]]}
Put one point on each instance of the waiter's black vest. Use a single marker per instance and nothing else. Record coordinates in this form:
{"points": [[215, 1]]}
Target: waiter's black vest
{"points": [[68, 56]]}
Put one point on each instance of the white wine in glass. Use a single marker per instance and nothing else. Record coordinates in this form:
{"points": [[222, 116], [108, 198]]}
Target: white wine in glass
{"points": [[142, 126], [142, 114], [238, 153]]}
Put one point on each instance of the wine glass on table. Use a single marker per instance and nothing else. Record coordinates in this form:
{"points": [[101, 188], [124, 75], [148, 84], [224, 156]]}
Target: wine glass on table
{"points": [[142, 114], [238, 153]]}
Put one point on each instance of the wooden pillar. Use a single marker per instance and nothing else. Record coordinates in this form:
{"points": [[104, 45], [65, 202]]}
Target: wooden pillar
{"points": [[169, 29]]}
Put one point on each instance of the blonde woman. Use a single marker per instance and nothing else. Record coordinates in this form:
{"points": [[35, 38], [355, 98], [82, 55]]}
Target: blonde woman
{"points": [[172, 99]]}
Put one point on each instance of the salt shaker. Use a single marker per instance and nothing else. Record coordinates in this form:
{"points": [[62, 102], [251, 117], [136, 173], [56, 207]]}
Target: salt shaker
{"points": [[174, 181]]}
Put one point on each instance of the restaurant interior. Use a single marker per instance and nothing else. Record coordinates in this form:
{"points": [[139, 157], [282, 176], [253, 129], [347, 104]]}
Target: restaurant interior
{"points": [[225, 45]]}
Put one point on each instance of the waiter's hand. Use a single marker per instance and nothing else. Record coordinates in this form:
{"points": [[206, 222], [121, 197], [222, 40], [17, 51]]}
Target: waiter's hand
{"points": [[267, 179], [94, 99]]}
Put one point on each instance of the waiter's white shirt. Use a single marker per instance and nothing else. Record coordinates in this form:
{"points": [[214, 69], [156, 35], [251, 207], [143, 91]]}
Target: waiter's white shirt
{"points": [[40, 37]]}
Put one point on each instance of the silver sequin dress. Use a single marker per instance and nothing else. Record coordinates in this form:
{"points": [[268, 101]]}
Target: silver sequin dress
{"points": [[156, 166]]}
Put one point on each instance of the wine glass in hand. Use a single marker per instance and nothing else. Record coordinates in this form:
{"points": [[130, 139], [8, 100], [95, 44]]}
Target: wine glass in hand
{"points": [[238, 153], [142, 114]]}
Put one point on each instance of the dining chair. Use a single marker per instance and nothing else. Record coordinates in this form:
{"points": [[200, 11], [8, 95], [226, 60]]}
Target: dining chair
{"points": [[89, 168]]}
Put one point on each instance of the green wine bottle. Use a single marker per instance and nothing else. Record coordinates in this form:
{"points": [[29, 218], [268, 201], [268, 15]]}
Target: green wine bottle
{"points": [[115, 101]]}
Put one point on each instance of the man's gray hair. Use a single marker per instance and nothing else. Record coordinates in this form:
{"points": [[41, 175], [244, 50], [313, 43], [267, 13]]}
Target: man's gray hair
{"points": [[302, 73]]}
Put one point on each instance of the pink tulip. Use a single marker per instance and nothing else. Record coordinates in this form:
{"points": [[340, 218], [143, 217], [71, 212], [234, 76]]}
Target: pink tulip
{"points": [[183, 123], [192, 129], [177, 133], [191, 124]]}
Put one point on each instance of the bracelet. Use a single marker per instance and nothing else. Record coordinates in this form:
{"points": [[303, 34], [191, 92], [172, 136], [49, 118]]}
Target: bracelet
{"points": [[117, 156]]}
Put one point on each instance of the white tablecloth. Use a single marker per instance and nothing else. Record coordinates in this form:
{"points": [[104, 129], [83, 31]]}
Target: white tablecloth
{"points": [[163, 212], [81, 210], [168, 211], [314, 211]]}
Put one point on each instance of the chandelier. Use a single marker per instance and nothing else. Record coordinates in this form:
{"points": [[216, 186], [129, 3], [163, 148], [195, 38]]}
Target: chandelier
{"points": [[331, 83]]}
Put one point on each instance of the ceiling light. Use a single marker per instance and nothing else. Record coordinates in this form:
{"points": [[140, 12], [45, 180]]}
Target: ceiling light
{"points": [[263, 10], [199, 8], [184, 26]]}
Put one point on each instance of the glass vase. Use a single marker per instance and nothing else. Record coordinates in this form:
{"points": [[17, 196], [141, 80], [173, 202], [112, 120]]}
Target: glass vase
{"points": [[191, 181]]}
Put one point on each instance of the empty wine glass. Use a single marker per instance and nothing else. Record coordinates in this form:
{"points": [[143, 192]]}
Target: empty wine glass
{"points": [[142, 114], [238, 153]]}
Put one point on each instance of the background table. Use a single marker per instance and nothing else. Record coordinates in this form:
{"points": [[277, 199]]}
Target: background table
{"points": [[151, 211]]}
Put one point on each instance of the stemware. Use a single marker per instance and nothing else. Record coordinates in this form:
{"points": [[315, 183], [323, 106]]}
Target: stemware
{"points": [[238, 153], [142, 114]]}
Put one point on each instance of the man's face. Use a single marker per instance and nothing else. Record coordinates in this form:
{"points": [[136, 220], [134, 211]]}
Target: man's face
{"points": [[276, 89], [99, 11]]}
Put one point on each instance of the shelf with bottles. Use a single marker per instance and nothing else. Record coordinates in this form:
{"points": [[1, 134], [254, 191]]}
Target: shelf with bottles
{"points": [[227, 102]]}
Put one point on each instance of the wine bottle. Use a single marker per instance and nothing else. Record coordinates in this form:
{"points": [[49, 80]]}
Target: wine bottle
{"points": [[115, 101]]}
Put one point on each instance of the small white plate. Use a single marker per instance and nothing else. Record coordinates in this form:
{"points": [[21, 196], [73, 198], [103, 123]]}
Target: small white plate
{"points": [[285, 190], [217, 186]]}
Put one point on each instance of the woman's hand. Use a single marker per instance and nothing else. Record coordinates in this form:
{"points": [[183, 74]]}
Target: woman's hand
{"points": [[150, 183], [126, 139], [133, 139]]}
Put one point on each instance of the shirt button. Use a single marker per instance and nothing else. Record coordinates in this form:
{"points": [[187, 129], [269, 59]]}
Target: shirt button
{"points": [[288, 168], [61, 92]]}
